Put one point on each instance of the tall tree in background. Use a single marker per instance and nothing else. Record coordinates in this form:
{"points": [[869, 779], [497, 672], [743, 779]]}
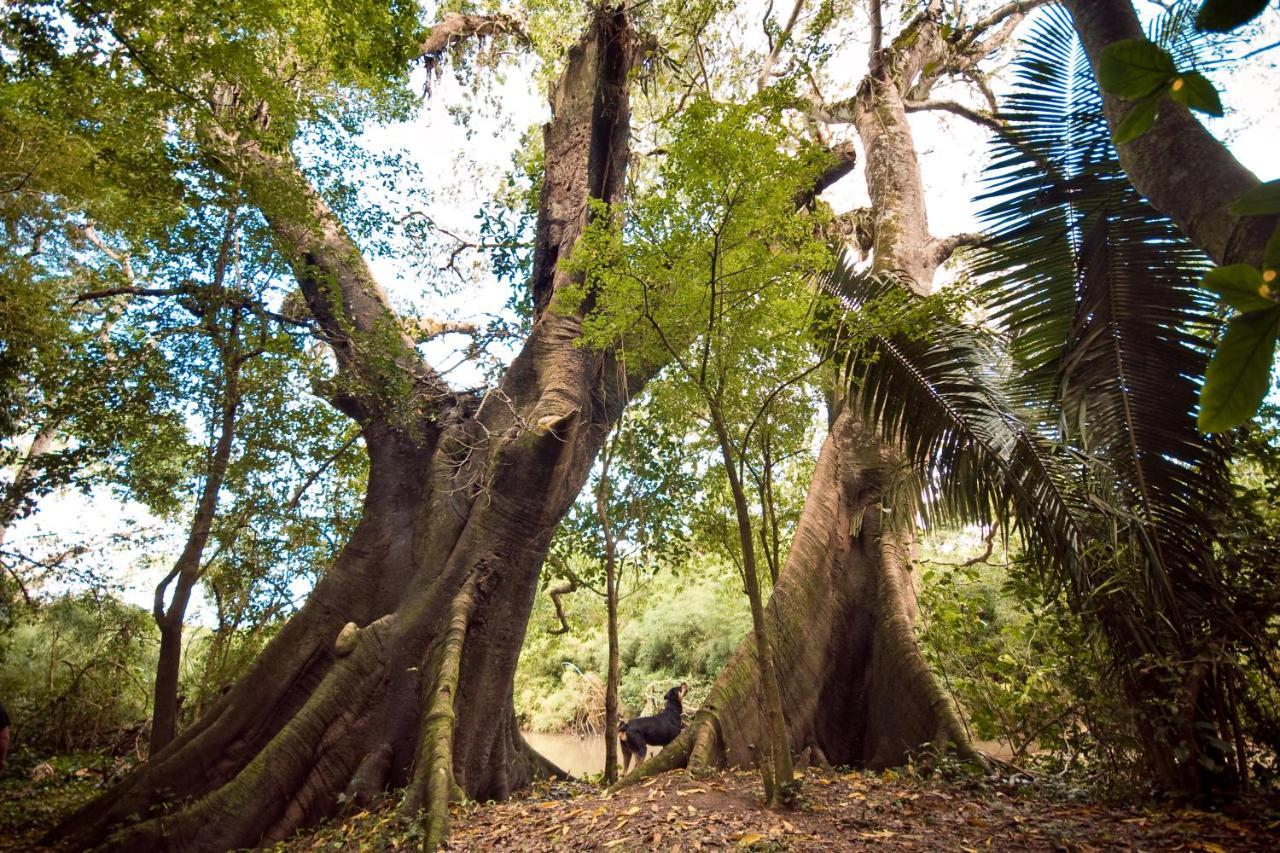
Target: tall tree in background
{"points": [[391, 673]]}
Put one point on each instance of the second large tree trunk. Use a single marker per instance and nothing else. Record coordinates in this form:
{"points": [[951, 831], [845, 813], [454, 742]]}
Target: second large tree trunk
{"points": [[854, 683], [856, 688]]}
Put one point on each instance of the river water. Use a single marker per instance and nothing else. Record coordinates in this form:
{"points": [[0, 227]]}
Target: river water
{"points": [[577, 755], [583, 755]]}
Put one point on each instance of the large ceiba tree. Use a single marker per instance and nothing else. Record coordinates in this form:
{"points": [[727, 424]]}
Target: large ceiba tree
{"points": [[855, 685], [398, 669]]}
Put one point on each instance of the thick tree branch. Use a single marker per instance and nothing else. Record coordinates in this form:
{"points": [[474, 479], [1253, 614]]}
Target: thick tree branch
{"points": [[1184, 172], [977, 117], [943, 248], [846, 157], [876, 37], [455, 27], [557, 592], [349, 306], [1001, 15]]}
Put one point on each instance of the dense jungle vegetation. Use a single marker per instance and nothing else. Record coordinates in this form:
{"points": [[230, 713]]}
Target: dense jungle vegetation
{"points": [[878, 399]]}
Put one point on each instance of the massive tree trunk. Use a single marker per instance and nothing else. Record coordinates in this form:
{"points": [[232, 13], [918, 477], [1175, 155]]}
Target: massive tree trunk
{"points": [[426, 606], [855, 685]]}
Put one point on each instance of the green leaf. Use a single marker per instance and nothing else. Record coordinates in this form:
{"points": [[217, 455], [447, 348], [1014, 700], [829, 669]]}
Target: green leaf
{"points": [[1139, 119], [1193, 90], [1240, 373], [1271, 259], [1238, 286], [1134, 67], [1259, 201], [1221, 15]]}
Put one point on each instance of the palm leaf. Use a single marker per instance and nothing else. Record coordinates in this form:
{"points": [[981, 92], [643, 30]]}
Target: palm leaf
{"points": [[1098, 294], [940, 400]]}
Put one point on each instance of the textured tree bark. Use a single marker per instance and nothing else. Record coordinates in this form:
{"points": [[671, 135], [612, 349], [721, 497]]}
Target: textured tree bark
{"points": [[458, 488], [854, 684]]}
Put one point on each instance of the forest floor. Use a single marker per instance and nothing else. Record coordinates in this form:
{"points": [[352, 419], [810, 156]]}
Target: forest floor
{"points": [[838, 811]]}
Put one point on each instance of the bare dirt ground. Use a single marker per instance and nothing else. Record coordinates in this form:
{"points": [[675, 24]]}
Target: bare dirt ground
{"points": [[839, 811], [849, 811]]}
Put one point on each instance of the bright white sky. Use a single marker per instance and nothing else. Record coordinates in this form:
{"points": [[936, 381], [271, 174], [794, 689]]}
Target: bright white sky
{"points": [[463, 169]]}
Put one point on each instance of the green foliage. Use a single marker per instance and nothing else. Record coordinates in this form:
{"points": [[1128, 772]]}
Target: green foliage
{"points": [[1248, 547], [673, 629], [722, 215], [1135, 68], [1144, 72], [1125, 275], [1023, 667], [77, 674], [649, 482], [1108, 340], [65, 782], [1259, 201], [1240, 374]]}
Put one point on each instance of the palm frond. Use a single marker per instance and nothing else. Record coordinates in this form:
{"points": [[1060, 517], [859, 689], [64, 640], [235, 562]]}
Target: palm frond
{"points": [[1098, 294], [939, 400]]}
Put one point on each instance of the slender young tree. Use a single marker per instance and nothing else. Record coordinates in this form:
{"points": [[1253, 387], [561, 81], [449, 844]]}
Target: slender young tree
{"points": [[634, 519]]}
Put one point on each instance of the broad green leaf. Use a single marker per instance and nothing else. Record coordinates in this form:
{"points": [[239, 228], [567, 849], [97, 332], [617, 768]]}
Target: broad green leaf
{"points": [[1259, 201], [1135, 67], [1239, 285], [1193, 90], [1139, 119], [1221, 15], [1271, 259], [1240, 373]]}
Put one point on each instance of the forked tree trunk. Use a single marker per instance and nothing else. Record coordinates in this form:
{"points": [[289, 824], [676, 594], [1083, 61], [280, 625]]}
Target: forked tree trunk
{"points": [[464, 499]]}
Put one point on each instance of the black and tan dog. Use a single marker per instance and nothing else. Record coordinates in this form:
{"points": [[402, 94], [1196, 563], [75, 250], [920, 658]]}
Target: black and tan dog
{"points": [[641, 733]]}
